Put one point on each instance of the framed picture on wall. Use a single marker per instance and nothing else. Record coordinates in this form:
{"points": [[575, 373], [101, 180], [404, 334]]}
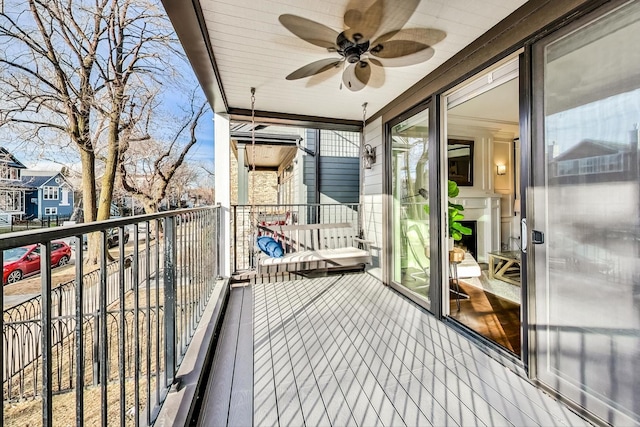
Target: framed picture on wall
{"points": [[460, 161]]}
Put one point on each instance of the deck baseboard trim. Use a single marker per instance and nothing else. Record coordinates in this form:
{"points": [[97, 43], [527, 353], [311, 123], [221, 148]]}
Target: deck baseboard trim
{"points": [[178, 408]]}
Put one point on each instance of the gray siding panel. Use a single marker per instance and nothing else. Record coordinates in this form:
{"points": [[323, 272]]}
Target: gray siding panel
{"points": [[340, 178]]}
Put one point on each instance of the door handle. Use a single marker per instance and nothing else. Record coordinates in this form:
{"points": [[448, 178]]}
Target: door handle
{"points": [[537, 237], [524, 235]]}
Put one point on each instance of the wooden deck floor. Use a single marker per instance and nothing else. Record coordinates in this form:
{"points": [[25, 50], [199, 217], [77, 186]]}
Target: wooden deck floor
{"points": [[345, 350]]}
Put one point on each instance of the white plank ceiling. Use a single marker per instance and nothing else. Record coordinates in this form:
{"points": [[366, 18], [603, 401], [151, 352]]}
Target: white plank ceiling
{"points": [[252, 49]]}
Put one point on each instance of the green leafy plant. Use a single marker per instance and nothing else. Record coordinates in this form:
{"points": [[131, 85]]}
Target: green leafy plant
{"points": [[456, 230]]}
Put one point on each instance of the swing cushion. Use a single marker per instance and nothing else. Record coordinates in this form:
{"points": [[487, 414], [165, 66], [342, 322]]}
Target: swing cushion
{"points": [[270, 247]]}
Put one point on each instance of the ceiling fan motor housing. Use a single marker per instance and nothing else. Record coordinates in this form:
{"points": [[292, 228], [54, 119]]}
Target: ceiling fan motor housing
{"points": [[351, 50]]}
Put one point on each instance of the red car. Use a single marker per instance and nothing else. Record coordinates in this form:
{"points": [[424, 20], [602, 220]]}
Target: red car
{"points": [[25, 260]]}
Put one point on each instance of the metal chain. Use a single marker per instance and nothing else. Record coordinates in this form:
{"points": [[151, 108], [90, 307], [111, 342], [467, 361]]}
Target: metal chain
{"points": [[364, 116], [364, 122], [361, 183], [253, 144], [253, 217]]}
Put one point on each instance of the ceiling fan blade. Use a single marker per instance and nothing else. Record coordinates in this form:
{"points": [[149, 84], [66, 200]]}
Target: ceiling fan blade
{"points": [[412, 59], [377, 74], [352, 16], [323, 76], [363, 26], [396, 14], [314, 68], [375, 62], [363, 72], [310, 31], [428, 36], [397, 48], [356, 76]]}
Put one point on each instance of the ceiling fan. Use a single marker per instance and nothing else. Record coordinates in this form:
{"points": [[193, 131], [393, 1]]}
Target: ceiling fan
{"points": [[372, 38]]}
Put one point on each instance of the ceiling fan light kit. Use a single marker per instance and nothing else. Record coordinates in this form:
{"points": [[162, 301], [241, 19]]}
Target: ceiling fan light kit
{"points": [[372, 36]]}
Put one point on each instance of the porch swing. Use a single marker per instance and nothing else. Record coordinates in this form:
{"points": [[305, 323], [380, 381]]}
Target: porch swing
{"points": [[303, 248]]}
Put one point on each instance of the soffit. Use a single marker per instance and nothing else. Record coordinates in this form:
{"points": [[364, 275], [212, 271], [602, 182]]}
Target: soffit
{"points": [[252, 49]]}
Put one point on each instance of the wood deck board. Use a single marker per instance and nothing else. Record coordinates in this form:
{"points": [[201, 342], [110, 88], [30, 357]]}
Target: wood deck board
{"points": [[345, 350], [471, 373], [265, 408], [398, 361], [446, 343], [241, 404], [218, 395]]}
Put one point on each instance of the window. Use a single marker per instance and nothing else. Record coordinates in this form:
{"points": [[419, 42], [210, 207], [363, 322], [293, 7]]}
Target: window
{"points": [[50, 193], [51, 211], [4, 170], [410, 182], [591, 165], [339, 143], [11, 200]]}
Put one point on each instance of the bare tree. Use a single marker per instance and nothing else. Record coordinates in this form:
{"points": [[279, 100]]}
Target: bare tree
{"points": [[148, 169], [46, 77], [81, 71]]}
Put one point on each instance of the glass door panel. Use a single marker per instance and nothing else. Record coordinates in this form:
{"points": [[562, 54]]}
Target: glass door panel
{"points": [[586, 214], [410, 216]]}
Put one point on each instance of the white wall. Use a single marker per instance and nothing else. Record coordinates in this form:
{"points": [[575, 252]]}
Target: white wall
{"points": [[493, 145], [372, 195]]}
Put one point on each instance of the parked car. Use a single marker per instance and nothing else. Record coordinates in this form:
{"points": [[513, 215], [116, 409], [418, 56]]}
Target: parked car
{"points": [[113, 237], [25, 260]]}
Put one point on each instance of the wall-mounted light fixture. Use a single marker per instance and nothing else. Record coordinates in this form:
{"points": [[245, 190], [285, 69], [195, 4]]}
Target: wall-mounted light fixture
{"points": [[501, 169], [368, 156]]}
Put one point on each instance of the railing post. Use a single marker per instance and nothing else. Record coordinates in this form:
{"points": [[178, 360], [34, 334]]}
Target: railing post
{"points": [[79, 288], [170, 258], [103, 346], [218, 237], [47, 374]]}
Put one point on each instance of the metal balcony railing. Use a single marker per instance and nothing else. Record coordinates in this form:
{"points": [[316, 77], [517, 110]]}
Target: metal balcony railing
{"points": [[246, 219], [109, 341]]}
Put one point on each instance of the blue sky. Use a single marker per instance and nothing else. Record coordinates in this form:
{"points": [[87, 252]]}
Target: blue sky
{"points": [[610, 120]]}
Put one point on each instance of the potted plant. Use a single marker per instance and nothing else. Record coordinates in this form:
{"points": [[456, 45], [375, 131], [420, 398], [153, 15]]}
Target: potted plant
{"points": [[456, 229]]}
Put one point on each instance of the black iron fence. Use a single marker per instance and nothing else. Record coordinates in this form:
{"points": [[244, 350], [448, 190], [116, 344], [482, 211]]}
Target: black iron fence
{"points": [[109, 341], [32, 224], [246, 221]]}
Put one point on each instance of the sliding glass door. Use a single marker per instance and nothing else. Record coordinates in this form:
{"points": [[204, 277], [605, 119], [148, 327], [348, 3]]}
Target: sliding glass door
{"points": [[585, 202], [410, 237]]}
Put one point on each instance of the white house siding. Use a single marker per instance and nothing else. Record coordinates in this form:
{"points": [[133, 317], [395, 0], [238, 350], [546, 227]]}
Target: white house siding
{"points": [[372, 195]]}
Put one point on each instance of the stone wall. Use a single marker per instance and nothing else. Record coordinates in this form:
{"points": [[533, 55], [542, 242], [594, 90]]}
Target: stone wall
{"points": [[266, 183]]}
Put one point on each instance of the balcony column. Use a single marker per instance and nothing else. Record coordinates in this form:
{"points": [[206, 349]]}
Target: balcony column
{"points": [[222, 142]]}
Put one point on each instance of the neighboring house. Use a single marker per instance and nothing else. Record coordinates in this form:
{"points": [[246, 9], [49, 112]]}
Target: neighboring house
{"points": [[50, 194], [289, 162], [594, 161], [12, 190]]}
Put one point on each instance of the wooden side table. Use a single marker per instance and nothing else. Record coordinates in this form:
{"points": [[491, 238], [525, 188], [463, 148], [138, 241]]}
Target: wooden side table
{"points": [[505, 266]]}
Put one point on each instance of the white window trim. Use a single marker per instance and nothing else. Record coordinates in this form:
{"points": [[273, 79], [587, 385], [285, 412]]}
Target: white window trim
{"points": [[46, 190], [51, 211]]}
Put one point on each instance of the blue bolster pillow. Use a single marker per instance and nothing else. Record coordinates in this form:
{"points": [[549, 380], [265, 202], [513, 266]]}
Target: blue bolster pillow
{"points": [[270, 247]]}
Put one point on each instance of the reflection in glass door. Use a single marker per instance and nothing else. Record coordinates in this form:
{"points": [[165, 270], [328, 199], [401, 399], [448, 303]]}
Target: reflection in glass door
{"points": [[411, 240], [586, 214]]}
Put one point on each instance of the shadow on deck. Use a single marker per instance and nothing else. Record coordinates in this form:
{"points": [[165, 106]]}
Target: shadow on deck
{"points": [[346, 350]]}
